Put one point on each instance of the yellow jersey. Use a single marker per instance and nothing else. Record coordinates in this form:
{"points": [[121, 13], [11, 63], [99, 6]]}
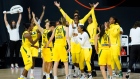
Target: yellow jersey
{"points": [[81, 21], [25, 41], [34, 35], [45, 38], [114, 34], [92, 28], [103, 42], [60, 36]]}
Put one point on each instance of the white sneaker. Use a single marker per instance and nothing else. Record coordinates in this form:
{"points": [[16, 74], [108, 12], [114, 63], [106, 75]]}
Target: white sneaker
{"points": [[12, 66], [83, 77], [90, 77], [114, 74], [31, 76], [16, 66]]}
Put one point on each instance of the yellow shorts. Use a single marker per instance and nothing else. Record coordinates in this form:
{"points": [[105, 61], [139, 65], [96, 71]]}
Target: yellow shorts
{"points": [[26, 55], [115, 50], [75, 57], [75, 48], [60, 53], [34, 52], [47, 54], [85, 54], [104, 57]]}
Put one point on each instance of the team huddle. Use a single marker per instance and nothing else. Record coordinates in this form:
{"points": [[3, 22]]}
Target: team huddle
{"points": [[70, 35]]}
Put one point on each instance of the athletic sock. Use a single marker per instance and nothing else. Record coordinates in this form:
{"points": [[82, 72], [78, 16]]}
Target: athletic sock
{"points": [[44, 73], [55, 77], [32, 71], [51, 71]]}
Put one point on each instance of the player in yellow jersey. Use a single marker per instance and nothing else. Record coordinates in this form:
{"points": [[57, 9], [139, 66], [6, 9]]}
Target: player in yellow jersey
{"points": [[76, 14], [59, 51], [35, 49], [92, 30], [27, 43], [102, 47], [46, 52], [114, 34]]}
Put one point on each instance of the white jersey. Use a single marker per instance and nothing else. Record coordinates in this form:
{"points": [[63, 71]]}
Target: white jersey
{"points": [[83, 39], [71, 31], [135, 36]]}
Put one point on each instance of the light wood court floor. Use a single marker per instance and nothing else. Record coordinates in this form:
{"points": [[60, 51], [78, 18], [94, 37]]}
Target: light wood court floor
{"points": [[15, 73]]}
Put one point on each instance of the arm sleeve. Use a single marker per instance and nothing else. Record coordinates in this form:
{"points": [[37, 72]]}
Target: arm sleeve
{"points": [[94, 18], [82, 21], [65, 15], [82, 39]]}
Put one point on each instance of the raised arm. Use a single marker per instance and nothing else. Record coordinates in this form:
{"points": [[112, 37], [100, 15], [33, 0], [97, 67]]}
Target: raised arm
{"points": [[50, 40], [19, 18], [39, 27], [42, 15], [62, 12], [82, 21], [5, 19], [29, 13]]}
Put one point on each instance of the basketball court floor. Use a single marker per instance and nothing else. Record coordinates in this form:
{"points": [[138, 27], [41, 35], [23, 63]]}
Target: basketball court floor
{"points": [[15, 73]]}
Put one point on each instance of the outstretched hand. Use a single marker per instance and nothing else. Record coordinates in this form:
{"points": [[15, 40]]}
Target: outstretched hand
{"points": [[94, 5], [44, 7], [57, 4]]}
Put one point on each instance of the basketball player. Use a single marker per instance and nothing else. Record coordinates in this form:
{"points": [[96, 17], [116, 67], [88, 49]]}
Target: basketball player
{"points": [[46, 52], [102, 47], [76, 14], [34, 35], [86, 51], [27, 43], [92, 30], [75, 52], [114, 34], [59, 51]]}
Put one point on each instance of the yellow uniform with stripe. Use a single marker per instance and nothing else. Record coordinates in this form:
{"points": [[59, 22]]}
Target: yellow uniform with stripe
{"points": [[81, 21], [46, 52], [114, 34], [92, 28], [59, 50], [26, 52], [34, 35], [104, 54]]}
